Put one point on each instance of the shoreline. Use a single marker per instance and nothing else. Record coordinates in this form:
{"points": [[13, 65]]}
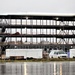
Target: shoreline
{"points": [[40, 60]]}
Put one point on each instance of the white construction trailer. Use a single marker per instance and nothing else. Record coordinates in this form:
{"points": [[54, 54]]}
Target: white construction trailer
{"points": [[72, 53], [26, 53]]}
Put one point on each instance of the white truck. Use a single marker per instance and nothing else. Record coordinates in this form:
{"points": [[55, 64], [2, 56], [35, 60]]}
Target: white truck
{"points": [[72, 53], [26, 53]]}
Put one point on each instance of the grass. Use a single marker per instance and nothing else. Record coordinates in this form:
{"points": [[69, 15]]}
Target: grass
{"points": [[40, 60]]}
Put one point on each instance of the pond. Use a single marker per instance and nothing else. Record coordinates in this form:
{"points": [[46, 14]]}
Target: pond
{"points": [[37, 68]]}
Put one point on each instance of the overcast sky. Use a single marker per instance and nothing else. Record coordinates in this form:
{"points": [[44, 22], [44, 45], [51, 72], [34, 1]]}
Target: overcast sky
{"points": [[43, 6]]}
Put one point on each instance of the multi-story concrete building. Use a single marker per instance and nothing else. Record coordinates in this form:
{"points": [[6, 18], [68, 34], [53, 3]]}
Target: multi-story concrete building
{"points": [[47, 31]]}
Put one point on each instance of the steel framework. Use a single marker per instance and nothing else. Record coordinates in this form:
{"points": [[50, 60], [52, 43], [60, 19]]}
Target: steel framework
{"points": [[37, 31]]}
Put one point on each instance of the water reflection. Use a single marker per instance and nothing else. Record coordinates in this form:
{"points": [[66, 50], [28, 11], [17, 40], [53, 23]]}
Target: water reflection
{"points": [[11, 69], [38, 68]]}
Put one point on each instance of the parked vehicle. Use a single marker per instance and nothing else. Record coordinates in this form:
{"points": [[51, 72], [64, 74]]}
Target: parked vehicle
{"points": [[26, 53], [58, 54], [72, 53]]}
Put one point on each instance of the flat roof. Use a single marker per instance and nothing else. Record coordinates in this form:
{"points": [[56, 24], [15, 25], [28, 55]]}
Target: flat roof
{"points": [[40, 16]]}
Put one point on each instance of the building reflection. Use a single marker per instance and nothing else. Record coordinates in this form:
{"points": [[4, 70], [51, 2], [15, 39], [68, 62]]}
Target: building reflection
{"points": [[57, 68], [60, 68], [3, 69], [49, 68], [25, 69], [38, 68]]}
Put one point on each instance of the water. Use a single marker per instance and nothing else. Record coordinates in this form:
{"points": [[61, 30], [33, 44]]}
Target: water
{"points": [[37, 68]]}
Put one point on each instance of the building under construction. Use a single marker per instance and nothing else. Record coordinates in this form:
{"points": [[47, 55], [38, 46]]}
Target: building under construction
{"points": [[37, 31]]}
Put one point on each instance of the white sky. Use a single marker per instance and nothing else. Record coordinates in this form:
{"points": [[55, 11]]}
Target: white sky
{"points": [[46, 6]]}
